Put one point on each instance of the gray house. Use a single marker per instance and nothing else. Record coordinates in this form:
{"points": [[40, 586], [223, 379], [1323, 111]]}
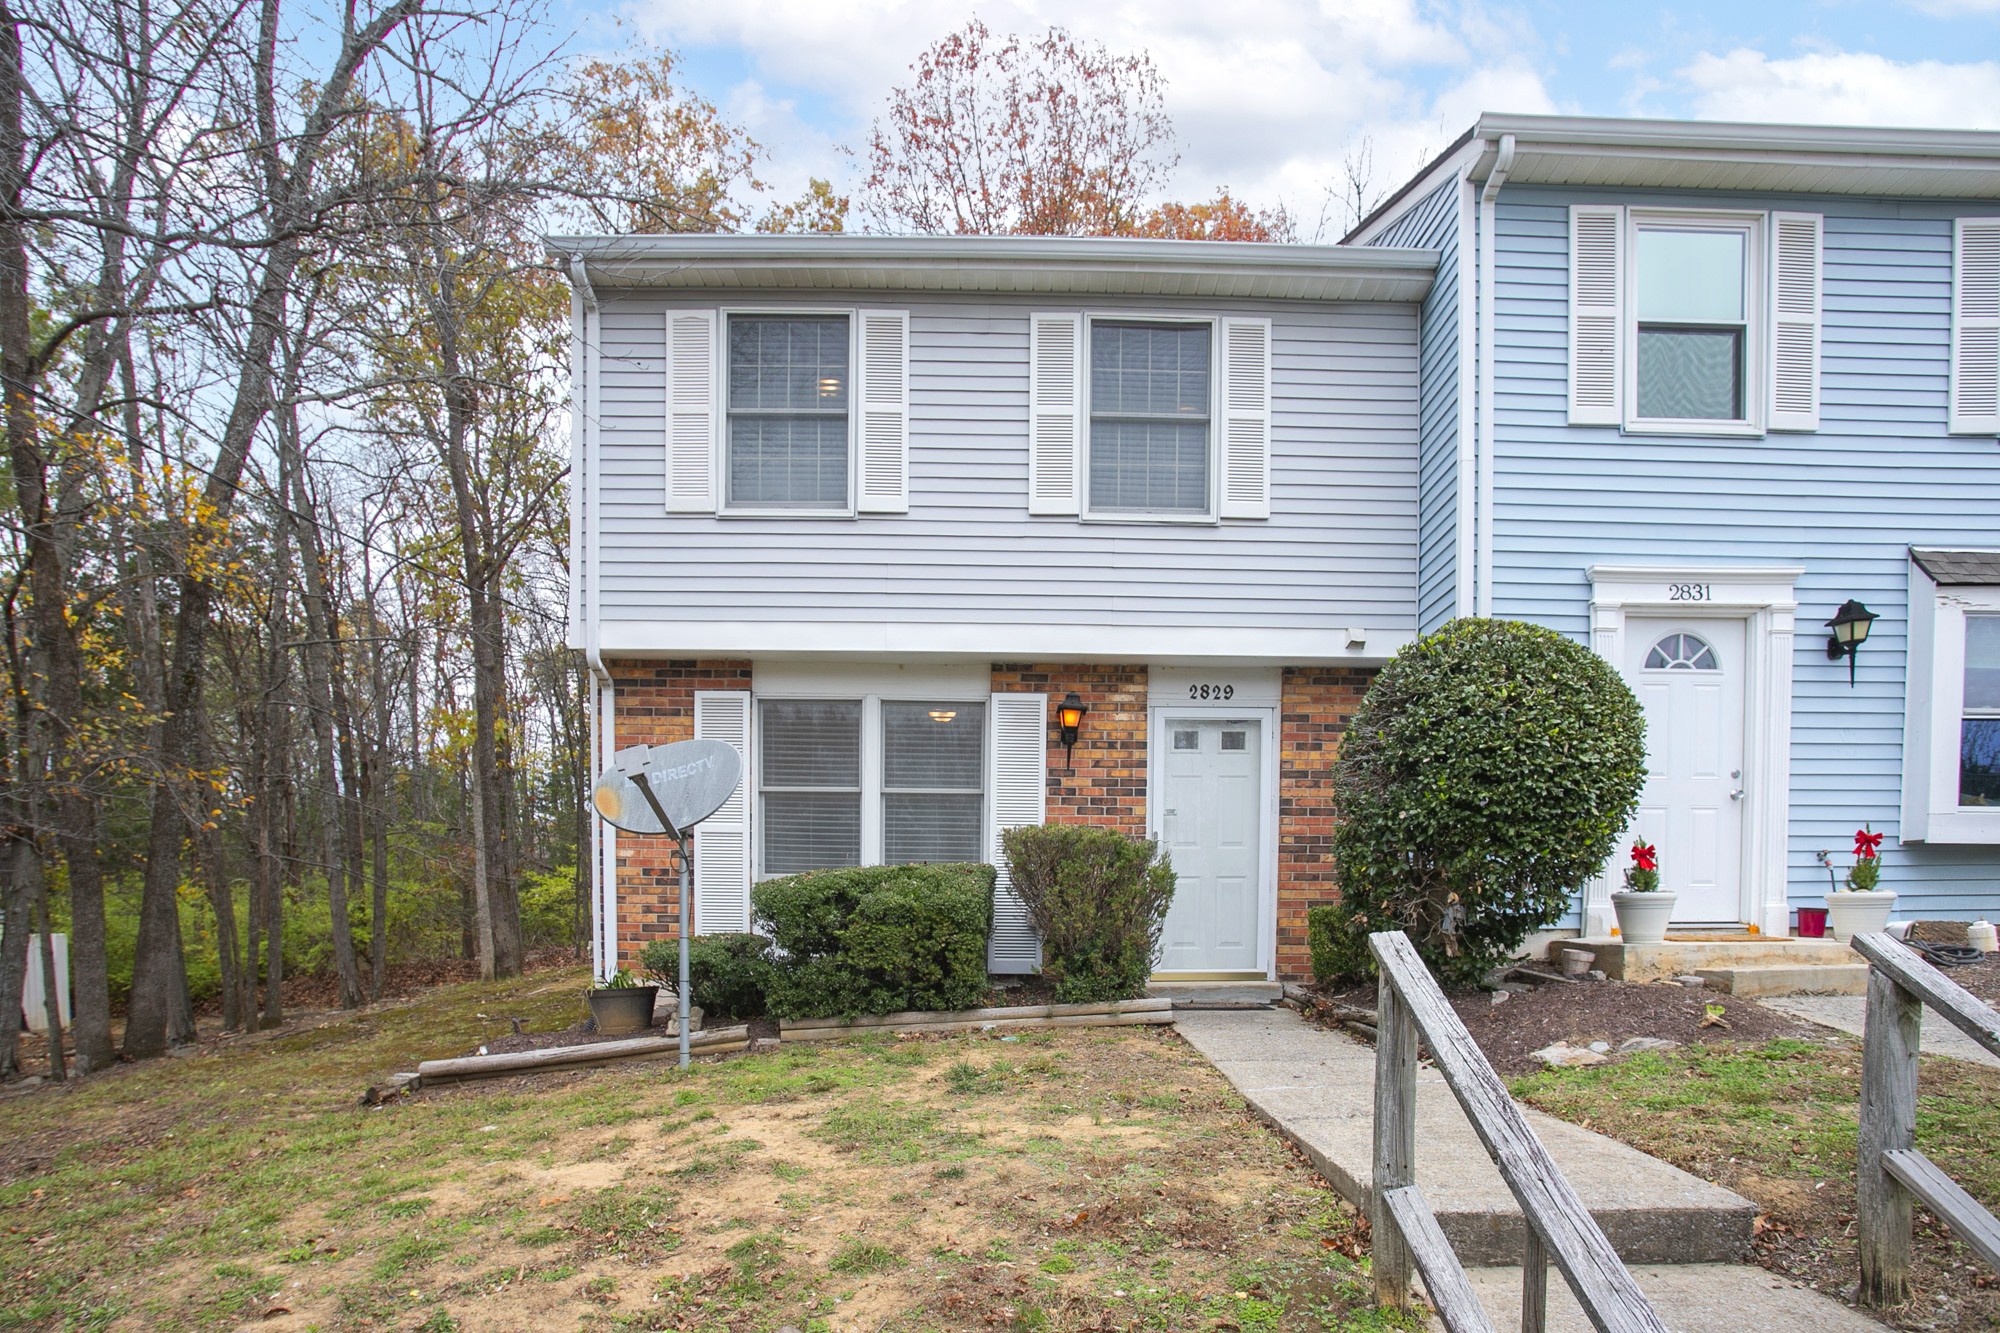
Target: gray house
{"points": [[873, 509]]}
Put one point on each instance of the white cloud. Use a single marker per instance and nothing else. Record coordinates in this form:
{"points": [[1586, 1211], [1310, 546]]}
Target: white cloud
{"points": [[1844, 88], [1265, 95], [1951, 9]]}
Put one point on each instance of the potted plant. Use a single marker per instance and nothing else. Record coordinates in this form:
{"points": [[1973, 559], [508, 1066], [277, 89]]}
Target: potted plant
{"points": [[1643, 910], [622, 1003], [1861, 908]]}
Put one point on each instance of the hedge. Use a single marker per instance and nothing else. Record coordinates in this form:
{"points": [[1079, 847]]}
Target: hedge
{"points": [[1098, 898]]}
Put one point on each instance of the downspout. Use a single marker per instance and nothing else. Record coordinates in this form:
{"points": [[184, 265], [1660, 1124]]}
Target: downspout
{"points": [[1503, 162], [603, 693]]}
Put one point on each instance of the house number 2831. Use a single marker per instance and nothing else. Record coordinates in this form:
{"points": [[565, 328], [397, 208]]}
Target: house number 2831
{"points": [[1689, 592], [1211, 691]]}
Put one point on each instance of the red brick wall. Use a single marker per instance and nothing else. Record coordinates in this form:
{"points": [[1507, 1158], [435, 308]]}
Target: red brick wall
{"points": [[1107, 784], [1313, 713], [655, 707]]}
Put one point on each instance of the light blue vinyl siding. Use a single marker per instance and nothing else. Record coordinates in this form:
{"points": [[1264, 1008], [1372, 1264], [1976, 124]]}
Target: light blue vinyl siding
{"points": [[1433, 225], [1845, 502], [1339, 550]]}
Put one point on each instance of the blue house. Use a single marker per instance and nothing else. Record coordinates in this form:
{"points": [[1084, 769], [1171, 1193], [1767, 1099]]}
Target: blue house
{"points": [[1686, 391]]}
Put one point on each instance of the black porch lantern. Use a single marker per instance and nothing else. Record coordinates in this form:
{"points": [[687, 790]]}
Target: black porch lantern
{"points": [[1069, 719], [1850, 626]]}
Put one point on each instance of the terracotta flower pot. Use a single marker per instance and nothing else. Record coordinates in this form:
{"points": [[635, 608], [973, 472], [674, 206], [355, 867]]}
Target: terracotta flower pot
{"points": [[1642, 917], [623, 1008]]}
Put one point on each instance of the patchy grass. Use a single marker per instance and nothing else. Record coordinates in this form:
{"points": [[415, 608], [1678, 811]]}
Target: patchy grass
{"points": [[1065, 1181], [1777, 1123]]}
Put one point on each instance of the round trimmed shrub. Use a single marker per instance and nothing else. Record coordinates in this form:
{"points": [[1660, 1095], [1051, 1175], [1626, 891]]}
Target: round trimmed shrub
{"points": [[1486, 776]]}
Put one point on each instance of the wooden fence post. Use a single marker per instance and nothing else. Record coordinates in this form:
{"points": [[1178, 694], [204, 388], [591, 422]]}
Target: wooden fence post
{"points": [[1395, 1139], [1888, 1122], [1534, 1280]]}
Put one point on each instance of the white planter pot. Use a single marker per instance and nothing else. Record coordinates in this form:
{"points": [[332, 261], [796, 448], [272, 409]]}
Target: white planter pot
{"points": [[1849, 914], [1642, 917]]}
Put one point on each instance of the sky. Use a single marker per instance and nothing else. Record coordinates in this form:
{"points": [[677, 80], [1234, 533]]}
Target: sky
{"points": [[1270, 98]]}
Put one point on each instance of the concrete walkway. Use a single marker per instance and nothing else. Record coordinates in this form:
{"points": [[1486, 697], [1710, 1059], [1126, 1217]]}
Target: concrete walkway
{"points": [[1691, 1298], [1848, 1012], [1318, 1089]]}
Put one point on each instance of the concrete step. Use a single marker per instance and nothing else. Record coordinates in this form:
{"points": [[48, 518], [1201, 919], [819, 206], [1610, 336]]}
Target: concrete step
{"points": [[1692, 1298], [1317, 1088], [1218, 994], [1789, 979], [1680, 956]]}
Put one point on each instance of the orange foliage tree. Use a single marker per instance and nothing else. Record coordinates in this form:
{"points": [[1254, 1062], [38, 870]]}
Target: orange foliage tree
{"points": [[1003, 136]]}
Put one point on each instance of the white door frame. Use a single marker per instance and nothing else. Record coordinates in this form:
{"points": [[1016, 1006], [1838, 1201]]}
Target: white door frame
{"points": [[1764, 598], [1266, 716]]}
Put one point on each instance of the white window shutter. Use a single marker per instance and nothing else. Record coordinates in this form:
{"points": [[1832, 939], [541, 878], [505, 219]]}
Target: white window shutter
{"points": [[1020, 795], [1246, 418], [885, 413], [722, 841], [1055, 414], [1796, 240], [691, 414], [1596, 314], [1975, 327]]}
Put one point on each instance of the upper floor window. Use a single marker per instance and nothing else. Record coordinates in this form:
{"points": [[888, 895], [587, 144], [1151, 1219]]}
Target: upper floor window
{"points": [[1693, 310], [1150, 406], [787, 433]]}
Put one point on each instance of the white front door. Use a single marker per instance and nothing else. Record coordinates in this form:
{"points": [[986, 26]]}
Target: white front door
{"points": [[1209, 825], [1689, 675]]}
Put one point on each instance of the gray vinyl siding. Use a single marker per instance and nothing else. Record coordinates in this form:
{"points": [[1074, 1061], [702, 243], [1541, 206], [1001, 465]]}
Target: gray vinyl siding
{"points": [[1339, 549], [1433, 225], [1846, 502]]}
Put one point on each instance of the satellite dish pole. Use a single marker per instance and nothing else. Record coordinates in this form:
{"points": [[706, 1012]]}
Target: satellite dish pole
{"points": [[678, 786]]}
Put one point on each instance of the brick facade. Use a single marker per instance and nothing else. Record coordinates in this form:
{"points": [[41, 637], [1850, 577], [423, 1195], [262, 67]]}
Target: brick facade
{"points": [[1107, 784], [656, 707], [1313, 713]]}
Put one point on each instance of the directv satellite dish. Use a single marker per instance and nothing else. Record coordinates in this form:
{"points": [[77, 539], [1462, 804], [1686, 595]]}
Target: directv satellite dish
{"points": [[688, 781]]}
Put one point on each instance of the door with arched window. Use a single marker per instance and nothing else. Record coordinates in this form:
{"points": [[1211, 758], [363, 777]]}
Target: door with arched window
{"points": [[1689, 676]]}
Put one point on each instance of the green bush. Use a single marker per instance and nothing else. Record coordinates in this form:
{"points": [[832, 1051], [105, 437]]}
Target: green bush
{"points": [[876, 939], [729, 975], [1098, 899], [1485, 777]]}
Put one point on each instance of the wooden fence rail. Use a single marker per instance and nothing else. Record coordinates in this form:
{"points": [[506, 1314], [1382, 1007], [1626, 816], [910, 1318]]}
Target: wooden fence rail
{"points": [[1409, 1006], [1891, 1174]]}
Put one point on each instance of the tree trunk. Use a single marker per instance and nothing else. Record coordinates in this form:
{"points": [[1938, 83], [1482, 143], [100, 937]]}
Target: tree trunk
{"points": [[51, 989], [17, 928]]}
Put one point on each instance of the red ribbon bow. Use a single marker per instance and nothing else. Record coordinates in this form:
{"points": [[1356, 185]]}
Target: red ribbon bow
{"points": [[1644, 856], [1865, 844]]}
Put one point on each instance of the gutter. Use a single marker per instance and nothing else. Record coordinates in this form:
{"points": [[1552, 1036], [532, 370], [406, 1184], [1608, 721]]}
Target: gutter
{"points": [[585, 505], [1489, 194]]}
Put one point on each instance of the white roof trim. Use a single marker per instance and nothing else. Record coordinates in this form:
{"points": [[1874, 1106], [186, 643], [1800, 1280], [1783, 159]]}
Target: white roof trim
{"points": [[1614, 152], [1003, 264]]}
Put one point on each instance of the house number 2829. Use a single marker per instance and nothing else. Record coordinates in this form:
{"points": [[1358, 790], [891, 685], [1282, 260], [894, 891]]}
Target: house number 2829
{"points": [[1689, 592], [1211, 691]]}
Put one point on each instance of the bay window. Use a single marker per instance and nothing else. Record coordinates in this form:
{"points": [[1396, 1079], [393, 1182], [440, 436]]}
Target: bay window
{"points": [[1951, 731]]}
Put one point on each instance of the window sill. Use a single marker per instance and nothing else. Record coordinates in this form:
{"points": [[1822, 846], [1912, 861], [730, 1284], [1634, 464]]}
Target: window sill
{"points": [[1722, 430], [1185, 520], [1974, 826]]}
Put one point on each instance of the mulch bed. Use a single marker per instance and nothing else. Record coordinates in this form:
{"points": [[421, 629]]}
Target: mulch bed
{"points": [[1610, 1011], [1981, 978]]}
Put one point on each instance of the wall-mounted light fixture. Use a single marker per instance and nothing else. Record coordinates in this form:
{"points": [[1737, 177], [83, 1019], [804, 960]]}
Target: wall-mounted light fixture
{"points": [[1069, 719], [1850, 626]]}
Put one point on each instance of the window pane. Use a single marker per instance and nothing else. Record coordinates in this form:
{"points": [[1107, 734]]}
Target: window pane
{"points": [[933, 745], [788, 462], [1982, 663], [1149, 465], [1691, 276], [782, 361], [1691, 373], [1149, 368], [931, 828], [810, 743], [1979, 761], [811, 830]]}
